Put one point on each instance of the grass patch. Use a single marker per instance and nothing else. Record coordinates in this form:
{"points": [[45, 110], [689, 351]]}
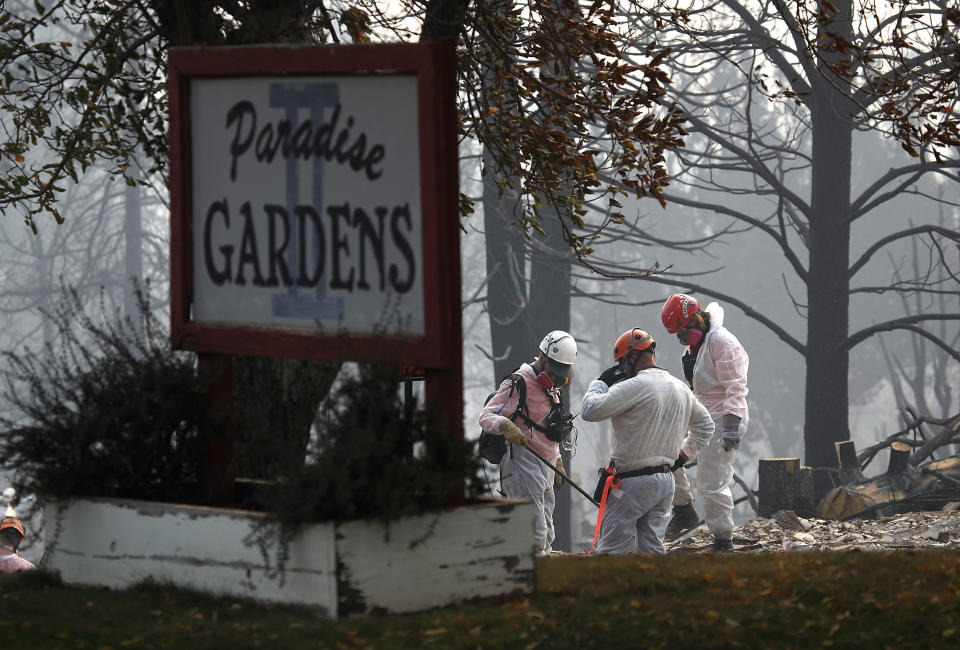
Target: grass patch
{"points": [[842, 600]]}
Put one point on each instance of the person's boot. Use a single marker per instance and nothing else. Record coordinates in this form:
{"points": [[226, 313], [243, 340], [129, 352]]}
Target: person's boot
{"points": [[722, 544], [685, 518]]}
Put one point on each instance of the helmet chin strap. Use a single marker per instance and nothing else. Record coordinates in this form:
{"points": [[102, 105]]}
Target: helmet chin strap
{"points": [[629, 369]]}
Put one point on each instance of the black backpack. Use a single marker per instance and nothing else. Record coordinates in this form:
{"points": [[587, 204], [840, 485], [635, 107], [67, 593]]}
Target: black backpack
{"points": [[492, 446]]}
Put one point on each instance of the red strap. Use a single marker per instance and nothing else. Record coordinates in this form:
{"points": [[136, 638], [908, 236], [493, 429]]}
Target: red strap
{"points": [[612, 481]]}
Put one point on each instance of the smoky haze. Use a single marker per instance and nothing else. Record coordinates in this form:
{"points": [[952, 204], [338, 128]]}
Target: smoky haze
{"points": [[748, 265]]}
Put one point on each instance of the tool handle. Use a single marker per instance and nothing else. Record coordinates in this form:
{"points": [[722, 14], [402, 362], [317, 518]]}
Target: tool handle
{"points": [[565, 477]]}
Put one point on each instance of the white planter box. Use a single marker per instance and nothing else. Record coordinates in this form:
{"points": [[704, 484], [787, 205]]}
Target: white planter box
{"points": [[357, 567]]}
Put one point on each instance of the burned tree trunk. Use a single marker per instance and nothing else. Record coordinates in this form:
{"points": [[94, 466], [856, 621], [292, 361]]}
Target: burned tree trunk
{"points": [[899, 459], [784, 485], [849, 465]]}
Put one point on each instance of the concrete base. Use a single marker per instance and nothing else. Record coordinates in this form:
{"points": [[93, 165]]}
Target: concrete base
{"points": [[357, 567]]}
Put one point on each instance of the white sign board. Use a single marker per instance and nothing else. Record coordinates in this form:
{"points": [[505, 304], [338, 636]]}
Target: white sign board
{"points": [[306, 202]]}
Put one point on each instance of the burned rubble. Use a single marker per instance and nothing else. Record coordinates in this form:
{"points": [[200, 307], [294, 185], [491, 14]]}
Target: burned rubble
{"points": [[914, 504], [786, 532]]}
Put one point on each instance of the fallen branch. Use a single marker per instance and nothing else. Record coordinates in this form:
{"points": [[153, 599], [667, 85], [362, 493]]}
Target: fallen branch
{"points": [[923, 449], [943, 477], [949, 434], [751, 496], [868, 453]]}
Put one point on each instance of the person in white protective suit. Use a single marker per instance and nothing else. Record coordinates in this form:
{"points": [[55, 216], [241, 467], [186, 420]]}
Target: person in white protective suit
{"points": [[658, 424], [715, 365], [11, 534], [523, 475]]}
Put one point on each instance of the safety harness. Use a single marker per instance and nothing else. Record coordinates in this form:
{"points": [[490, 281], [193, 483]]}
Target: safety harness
{"points": [[492, 446], [610, 478]]}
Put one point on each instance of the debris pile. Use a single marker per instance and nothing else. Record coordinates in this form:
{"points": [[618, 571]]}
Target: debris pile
{"points": [[904, 487], [786, 532]]}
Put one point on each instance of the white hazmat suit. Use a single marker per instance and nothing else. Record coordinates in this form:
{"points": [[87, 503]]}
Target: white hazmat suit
{"points": [[654, 415], [523, 476], [720, 383]]}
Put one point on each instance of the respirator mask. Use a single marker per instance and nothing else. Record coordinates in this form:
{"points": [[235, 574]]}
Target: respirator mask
{"points": [[690, 337], [549, 382]]}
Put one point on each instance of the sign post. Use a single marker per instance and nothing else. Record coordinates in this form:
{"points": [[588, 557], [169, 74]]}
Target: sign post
{"points": [[314, 203]]}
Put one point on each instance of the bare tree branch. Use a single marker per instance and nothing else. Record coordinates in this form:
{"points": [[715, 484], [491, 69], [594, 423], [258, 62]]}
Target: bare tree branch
{"points": [[907, 323]]}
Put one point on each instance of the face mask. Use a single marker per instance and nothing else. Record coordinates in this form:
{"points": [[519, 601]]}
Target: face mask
{"points": [[694, 337], [549, 383], [544, 380]]}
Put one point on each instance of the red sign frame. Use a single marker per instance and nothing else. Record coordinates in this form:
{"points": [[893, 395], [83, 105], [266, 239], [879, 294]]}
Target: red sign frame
{"points": [[434, 64]]}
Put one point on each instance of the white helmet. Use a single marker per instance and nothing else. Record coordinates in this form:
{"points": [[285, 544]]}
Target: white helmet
{"points": [[561, 349]]}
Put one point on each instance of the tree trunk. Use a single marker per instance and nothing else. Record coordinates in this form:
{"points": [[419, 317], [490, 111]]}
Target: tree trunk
{"points": [[828, 282], [511, 338], [784, 485], [275, 402], [899, 458], [550, 274], [550, 310], [133, 256], [444, 18], [849, 464]]}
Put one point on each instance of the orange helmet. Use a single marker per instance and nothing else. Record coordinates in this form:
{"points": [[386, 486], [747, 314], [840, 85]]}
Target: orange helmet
{"points": [[635, 339], [677, 311], [12, 523]]}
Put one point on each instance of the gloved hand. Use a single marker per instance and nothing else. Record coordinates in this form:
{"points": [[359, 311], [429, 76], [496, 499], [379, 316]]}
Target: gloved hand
{"points": [[557, 479], [512, 433], [611, 375], [731, 440], [731, 432]]}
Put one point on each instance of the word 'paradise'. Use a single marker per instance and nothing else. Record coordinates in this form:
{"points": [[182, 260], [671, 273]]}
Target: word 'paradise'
{"points": [[324, 141]]}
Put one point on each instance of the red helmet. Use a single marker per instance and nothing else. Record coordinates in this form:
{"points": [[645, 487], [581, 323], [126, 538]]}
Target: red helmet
{"points": [[12, 523], [635, 339], [677, 311]]}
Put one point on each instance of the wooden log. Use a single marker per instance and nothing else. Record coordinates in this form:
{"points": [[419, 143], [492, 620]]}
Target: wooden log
{"points": [[849, 466], [803, 500], [883, 490], [784, 485], [775, 476], [847, 454], [904, 490], [940, 473], [843, 501], [899, 458]]}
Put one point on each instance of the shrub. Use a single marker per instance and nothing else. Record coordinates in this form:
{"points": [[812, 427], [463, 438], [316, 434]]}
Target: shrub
{"points": [[109, 410], [373, 459], [113, 411]]}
